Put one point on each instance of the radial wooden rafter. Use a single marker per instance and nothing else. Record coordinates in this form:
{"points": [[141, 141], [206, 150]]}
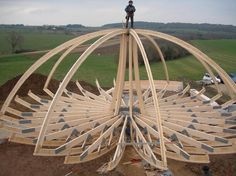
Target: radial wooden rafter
{"points": [[85, 127]]}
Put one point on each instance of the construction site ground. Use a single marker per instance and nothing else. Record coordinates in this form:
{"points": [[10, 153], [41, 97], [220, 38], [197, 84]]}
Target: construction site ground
{"points": [[18, 159]]}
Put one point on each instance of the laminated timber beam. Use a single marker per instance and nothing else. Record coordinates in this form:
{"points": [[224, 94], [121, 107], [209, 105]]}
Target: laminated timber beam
{"points": [[85, 126]]}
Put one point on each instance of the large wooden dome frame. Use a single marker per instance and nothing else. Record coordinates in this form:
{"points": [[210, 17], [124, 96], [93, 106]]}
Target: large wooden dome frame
{"points": [[85, 127]]}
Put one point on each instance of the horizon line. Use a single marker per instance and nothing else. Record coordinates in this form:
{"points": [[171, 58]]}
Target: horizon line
{"points": [[114, 23]]}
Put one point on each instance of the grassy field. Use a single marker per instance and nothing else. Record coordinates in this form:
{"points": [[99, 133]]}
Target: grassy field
{"points": [[33, 40], [104, 67], [101, 67], [222, 52]]}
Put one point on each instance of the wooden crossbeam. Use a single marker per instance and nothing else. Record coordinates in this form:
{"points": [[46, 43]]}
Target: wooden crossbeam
{"points": [[143, 149]]}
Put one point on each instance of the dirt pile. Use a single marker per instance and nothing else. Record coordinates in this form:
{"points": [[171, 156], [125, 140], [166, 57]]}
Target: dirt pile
{"points": [[36, 82], [17, 159]]}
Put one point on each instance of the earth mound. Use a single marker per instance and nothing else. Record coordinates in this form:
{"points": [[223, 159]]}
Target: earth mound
{"points": [[36, 82]]}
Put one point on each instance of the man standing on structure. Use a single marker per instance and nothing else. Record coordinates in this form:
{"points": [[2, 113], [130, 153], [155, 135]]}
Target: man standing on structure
{"points": [[130, 9]]}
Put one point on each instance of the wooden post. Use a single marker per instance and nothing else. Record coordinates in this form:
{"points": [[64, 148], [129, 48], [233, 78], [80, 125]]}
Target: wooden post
{"points": [[131, 101], [137, 78], [122, 77], [118, 75]]}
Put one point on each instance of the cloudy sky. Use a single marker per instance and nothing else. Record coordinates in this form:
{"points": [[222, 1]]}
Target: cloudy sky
{"points": [[99, 12]]}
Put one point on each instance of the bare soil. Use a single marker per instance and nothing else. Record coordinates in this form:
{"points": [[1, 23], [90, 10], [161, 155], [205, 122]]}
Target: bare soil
{"points": [[17, 159], [36, 82]]}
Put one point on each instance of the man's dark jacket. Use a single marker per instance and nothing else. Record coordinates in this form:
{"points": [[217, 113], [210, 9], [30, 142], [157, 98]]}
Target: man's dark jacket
{"points": [[130, 9]]}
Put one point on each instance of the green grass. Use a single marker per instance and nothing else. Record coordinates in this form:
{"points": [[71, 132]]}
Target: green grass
{"points": [[104, 67], [33, 40], [100, 67], [223, 52], [12, 66]]}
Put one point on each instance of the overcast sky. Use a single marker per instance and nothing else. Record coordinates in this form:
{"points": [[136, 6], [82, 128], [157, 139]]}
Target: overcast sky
{"points": [[99, 12]]}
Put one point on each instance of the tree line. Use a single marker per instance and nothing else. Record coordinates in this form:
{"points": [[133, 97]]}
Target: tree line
{"points": [[169, 50]]}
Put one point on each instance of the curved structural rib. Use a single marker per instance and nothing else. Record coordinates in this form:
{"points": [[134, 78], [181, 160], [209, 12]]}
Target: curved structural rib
{"points": [[161, 56], [45, 58], [198, 54], [86, 126], [66, 80], [155, 100]]}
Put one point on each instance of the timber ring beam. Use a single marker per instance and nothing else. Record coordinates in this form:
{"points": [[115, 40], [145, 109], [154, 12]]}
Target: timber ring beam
{"points": [[87, 126]]}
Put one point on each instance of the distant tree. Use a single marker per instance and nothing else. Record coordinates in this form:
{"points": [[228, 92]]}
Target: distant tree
{"points": [[169, 54], [16, 40]]}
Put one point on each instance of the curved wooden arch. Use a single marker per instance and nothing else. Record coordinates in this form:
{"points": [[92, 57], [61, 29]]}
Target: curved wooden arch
{"points": [[85, 127], [199, 55], [155, 100], [68, 51], [161, 56], [66, 80], [45, 58], [208, 69]]}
